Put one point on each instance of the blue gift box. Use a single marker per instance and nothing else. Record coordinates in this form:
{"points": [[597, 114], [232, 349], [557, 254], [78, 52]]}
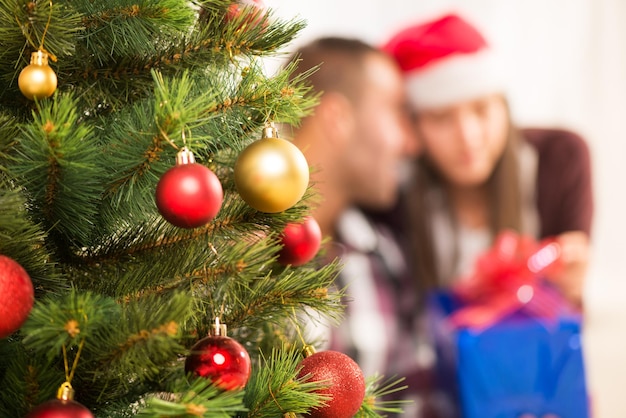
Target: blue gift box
{"points": [[519, 367]]}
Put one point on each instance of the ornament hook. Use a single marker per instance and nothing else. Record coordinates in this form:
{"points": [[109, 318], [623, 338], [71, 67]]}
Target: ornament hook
{"points": [[65, 392], [43, 36], [69, 373], [219, 329], [45, 32], [269, 131]]}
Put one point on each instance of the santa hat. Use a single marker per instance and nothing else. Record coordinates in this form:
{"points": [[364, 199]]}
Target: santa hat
{"points": [[445, 61]]}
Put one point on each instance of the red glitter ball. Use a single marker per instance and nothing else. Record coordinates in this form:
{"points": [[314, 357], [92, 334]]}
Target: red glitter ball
{"points": [[343, 380], [16, 296]]}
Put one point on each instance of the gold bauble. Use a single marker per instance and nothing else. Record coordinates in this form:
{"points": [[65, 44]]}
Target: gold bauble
{"points": [[37, 80], [271, 174]]}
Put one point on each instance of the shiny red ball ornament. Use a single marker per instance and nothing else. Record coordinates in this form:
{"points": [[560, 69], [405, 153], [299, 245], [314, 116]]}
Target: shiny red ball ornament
{"points": [[189, 195], [301, 241], [62, 407], [221, 359], [58, 408], [343, 380], [16, 296]]}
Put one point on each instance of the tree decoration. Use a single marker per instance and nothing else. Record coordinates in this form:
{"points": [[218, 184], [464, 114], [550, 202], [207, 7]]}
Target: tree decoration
{"points": [[64, 406], [234, 10], [271, 174], [301, 242], [221, 359], [16, 296], [189, 194], [343, 382], [78, 178], [37, 80]]}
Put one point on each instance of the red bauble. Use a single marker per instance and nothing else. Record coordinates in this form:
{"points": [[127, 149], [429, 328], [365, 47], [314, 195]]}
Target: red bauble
{"points": [[189, 195], [234, 10], [58, 408], [301, 241], [16, 296], [344, 383], [221, 359]]}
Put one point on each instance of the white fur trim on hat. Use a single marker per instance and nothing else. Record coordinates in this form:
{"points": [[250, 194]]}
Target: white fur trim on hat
{"points": [[454, 79]]}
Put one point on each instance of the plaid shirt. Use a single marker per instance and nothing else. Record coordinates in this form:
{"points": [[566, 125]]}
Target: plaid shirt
{"points": [[381, 329]]}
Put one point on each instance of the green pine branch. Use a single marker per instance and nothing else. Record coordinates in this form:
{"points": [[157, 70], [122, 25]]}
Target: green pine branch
{"points": [[108, 49], [375, 403], [28, 379], [25, 242], [55, 322], [54, 161], [8, 134], [120, 348], [273, 390], [124, 29], [119, 290], [29, 25], [199, 399]]}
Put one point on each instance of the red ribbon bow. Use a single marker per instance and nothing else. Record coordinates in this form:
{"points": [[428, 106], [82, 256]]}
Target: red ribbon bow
{"points": [[507, 278]]}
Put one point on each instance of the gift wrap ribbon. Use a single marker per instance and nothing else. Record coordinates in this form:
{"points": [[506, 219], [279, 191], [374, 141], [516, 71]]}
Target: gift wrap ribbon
{"points": [[507, 278]]}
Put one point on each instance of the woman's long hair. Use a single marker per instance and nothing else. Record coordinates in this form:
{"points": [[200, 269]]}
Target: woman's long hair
{"points": [[504, 208]]}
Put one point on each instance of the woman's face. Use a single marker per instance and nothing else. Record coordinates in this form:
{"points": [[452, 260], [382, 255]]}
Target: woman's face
{"points": [[465, 141]]}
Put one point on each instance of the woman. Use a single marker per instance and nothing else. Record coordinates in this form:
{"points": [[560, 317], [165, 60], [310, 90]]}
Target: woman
{"points": [[478, 174]]}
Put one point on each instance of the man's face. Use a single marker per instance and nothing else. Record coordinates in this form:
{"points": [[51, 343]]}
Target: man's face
{"points": [[465, 141], [382, 140]]}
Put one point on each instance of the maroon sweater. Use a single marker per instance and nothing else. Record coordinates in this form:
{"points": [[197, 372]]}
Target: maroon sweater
{"points": [[564, 189]]}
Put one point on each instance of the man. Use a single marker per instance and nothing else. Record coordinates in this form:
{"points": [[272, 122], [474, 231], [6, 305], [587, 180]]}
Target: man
{"points": [[357, 142], [359, 135]]}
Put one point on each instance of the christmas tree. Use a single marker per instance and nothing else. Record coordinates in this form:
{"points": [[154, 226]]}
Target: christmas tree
{"points": [[107, 109]]}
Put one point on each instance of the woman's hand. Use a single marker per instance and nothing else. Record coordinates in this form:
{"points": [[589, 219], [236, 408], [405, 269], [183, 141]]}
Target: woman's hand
{"points": [[570, 277]]}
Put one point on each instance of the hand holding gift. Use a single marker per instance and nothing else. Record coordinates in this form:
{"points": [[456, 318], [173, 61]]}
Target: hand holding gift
{"points": [[508, 277], [508, 342], [574, 260]]}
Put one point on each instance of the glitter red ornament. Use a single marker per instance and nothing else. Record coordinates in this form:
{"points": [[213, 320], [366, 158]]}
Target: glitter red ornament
{"points": [[301, 241], [62, 407], [343, 380], [221, 359], [189, 195], [16, 296]]}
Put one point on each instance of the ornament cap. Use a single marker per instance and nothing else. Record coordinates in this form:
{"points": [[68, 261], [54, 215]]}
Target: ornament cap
{"points": [[270, 131], [39, 58], [65, 392], [308, 350], [185, 156], [219, 329]]}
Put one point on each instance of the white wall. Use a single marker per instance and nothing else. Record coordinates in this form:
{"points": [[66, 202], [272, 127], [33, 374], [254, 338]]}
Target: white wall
{"points": [[567, 62]]}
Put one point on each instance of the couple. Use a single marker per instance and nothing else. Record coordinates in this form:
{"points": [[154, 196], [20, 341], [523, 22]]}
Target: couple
{"points": [[428, 112]]}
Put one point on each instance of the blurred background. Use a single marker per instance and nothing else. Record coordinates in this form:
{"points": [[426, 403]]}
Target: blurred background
{"points": [[567, 65]]}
